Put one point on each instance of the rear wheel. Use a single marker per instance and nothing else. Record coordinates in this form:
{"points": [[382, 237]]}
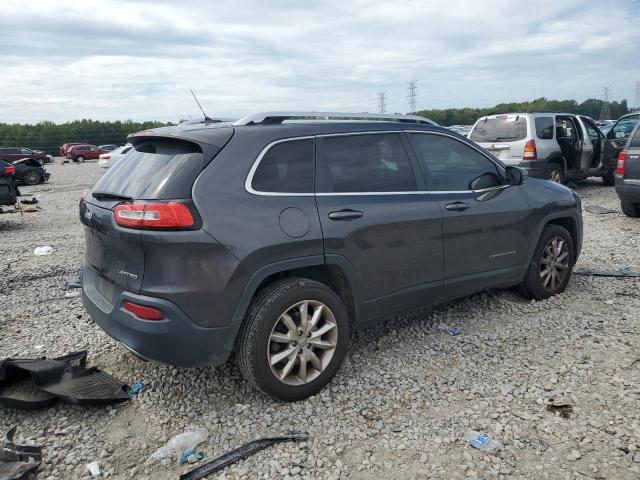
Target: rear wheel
{"points": [[294, 339], [630, 209], [31, 177], [554, 172], [550, 269], [609, 178]]}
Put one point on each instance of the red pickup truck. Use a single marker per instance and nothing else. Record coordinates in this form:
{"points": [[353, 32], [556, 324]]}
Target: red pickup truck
{"points": [[64, 149], [80, 153]]}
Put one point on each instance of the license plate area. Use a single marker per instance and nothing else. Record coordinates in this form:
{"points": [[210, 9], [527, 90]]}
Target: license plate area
{"points": [[105, 288]]}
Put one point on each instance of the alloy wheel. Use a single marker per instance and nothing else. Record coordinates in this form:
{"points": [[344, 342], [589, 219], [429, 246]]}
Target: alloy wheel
{"points": [[554, 264], [302, 342]]}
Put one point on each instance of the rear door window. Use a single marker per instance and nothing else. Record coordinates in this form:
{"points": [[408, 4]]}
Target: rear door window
{"points": [[365, 163], [503, 128], [156, 169], [287, 167], [544, 128], [454, 166]]}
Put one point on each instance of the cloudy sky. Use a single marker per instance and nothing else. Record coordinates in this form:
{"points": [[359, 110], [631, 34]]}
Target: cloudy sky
{"points": [[109, 59]]}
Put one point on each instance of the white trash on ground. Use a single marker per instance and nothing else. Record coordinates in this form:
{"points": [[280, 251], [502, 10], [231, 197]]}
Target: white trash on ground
{"points": [[482, 441], [190, 438], [94, 468], [46, 250]]}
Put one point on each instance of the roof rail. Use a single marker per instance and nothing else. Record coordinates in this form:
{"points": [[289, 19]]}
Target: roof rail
{"points": [[274, 118]]}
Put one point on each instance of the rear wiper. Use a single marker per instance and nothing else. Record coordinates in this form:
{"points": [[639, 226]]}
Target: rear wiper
{"points": [[504, 138], [110, 196]]}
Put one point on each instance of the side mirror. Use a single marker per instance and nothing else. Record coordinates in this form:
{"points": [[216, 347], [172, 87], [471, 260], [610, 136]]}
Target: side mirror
{"points": [[515, 175]]}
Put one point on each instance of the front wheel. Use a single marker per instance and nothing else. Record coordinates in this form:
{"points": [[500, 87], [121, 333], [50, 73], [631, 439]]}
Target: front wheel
{"points": [[294, 339], [554, 172], [550, 269], [31, 178], [609, 178], [80, 159]]}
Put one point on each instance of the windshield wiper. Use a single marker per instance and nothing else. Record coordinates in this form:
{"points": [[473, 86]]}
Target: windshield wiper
{"points": [[110, 196]]}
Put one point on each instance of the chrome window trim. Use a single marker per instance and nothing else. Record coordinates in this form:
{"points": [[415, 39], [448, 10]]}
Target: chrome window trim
{"points": [[263, 152]]}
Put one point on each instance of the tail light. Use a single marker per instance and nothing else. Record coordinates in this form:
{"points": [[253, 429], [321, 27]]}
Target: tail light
{"points": [[105, 157], [83, 195], [622, 159], [10, 170], [144, 312], [150, 215], [530, 152]]}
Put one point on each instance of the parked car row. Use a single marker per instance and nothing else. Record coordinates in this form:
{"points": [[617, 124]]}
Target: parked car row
{"points": [[106, 160], [82, 152]]}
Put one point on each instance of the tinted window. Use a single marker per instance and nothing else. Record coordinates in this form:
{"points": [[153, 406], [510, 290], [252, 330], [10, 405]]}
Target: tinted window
{"points": [[156, 169], [452, 165], [366, 163], [503, 128], [635, 140], [592, 131], [287, 167], [544, 128]]}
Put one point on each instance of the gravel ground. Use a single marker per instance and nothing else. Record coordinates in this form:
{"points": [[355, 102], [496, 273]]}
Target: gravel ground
{"points": [[397, 408]]}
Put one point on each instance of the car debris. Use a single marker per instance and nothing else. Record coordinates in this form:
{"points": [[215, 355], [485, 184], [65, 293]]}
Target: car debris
{"points": [[29, 208], [182, 442], [240, 454], [135, 390], [191, 456], [75, 281], [33, 201], [17, 461], [559, 405], [94, 469], [599, 209], [35, 383], [482, 441], [44, 250], [622, 272]]}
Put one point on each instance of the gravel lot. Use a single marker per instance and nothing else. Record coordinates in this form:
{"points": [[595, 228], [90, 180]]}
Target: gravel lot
{"points": [[398, 407]]}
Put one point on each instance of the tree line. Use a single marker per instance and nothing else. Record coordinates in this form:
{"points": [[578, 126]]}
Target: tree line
{"points": [[467, 116], [49, 136]]}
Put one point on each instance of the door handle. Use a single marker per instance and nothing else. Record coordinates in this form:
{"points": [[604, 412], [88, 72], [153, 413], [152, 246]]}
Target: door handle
{"points": [[456, 206], [346, 214]]}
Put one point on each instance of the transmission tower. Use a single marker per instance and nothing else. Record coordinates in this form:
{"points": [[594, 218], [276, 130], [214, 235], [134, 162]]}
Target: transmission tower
{"points": [[411, 95], [637, 102], [605, 114], [382, 102]]}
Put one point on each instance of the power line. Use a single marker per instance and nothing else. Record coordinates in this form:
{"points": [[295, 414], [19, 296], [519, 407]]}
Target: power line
{"points": [[605, 113], [637, 102], [411, 95], [382, 102]]}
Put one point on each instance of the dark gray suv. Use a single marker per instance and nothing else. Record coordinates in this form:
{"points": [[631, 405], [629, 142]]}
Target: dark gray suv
{"points": [[275, 236]]}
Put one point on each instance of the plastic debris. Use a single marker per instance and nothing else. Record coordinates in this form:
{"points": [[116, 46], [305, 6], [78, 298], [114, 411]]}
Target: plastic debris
{"points": [[599, 209], [450, 329], [482, 441], [72, 294], [135, 389], [46, 250], [191, 456], [17, 461], [75, 281], [560, 405], [240, 454], [188, 440], [33, 383], [94, 469], [33, 201]]}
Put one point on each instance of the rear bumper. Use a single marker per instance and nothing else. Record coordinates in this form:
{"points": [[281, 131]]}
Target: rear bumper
{"points": [[627, 190], [176, 340]]}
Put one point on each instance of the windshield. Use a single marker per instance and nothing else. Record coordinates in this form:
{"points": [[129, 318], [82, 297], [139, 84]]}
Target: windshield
{"points": [[499, 129]]}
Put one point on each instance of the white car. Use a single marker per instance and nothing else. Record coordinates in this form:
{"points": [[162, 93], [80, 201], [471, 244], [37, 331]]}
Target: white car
{"points": [[107, 159]]}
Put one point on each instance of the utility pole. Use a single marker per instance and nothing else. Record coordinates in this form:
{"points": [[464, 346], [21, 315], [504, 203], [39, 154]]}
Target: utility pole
{"points": [[411, 95], [382, 102], [605, 113], [636, 105]]}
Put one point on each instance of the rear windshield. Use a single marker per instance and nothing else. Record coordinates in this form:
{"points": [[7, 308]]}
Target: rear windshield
{"points": [[635, 140], [156, 169], [500, 129]]}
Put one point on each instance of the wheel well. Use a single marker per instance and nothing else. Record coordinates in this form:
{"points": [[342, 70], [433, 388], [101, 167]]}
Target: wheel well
{"points": [[568, 224], [328, 275]]}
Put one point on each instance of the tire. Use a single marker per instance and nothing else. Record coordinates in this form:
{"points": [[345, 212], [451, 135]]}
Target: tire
{"points": [[31, 177], [265, 322], [80, 159], [630, 209], [554, 172], [538, 286], [609, 178]]}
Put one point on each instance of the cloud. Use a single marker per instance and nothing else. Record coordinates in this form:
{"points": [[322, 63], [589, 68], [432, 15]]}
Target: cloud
{"points": [[108, 59]]}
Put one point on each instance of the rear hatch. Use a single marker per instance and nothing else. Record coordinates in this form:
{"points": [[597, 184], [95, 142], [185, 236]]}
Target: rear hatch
{"points": [[158, 170], [632, 164], [503, 135]]}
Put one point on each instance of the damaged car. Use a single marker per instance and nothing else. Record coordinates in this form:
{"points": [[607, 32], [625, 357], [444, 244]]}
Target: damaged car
{"points": [[8, 190], [30, 172], [552, 146], [276, 236]]}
